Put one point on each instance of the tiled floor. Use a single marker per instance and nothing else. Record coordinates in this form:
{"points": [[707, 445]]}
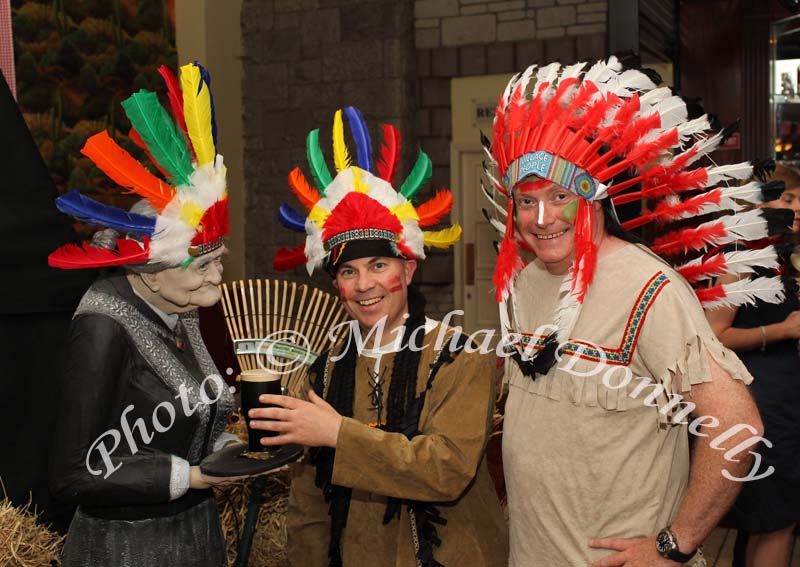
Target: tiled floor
{"points": [[719, 549]]}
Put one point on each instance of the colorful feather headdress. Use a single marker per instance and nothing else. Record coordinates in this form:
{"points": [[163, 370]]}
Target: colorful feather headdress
{"points": [[611, 133], [358, 205], [191, 205]]}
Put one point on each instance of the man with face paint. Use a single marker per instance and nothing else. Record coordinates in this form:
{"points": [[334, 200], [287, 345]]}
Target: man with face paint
{"points": [[614, 344], [142, 402], [397, 426]]}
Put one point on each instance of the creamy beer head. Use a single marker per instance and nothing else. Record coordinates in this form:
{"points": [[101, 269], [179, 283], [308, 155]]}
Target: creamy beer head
{"points": [[259, 375]]}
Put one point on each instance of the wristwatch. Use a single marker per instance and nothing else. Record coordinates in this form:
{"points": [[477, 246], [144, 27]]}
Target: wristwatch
{"points": [[667, 546]]}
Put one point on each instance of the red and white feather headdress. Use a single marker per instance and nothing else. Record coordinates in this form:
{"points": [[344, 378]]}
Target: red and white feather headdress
{"points": [[191, 205], [611, 133]]}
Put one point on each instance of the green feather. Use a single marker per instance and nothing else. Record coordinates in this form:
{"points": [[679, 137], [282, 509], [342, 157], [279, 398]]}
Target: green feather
{"points": [[418, 177], [319, 169], [167, 146]]}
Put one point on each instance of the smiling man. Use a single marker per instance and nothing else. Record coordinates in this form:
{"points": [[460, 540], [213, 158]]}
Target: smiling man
{"points": [[398, 429], [613, 340]]}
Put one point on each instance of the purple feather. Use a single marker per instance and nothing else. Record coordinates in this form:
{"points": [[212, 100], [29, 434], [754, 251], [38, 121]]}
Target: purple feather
{"points": [[361, 136], [90, 211], [291, 219], [205, 77]]}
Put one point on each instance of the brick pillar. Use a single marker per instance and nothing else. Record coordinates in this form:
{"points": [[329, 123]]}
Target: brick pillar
{"points": [[303, 59]]}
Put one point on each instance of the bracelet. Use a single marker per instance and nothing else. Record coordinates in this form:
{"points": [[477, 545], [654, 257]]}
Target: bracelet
{"points": [[763, 338]]}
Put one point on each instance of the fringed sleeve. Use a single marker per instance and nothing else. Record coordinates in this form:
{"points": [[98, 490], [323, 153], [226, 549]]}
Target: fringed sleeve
{"points": [[677, 343]]}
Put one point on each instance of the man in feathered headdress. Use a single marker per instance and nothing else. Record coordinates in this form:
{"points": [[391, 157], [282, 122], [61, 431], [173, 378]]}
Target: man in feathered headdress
{"points": [[614, 350], [143, 402], [398, 424]]}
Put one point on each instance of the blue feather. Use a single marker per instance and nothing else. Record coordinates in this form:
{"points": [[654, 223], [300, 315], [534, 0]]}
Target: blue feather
{"points": [[291, 219], [90, 211], [361, 136], [205, 77]]}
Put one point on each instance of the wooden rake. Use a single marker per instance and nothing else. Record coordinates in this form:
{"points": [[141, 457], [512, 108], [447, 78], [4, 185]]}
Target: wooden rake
{"points": [[280, 325]]}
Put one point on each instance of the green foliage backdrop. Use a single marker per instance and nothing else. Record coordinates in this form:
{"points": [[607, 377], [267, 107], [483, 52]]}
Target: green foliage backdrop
{"points": [[76, 61]]}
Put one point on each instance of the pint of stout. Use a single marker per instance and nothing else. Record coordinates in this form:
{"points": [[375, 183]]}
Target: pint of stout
{"points": [[254, 383]]}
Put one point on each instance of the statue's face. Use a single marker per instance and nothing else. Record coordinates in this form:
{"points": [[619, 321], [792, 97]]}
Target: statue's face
{"points": [[197, 285]]}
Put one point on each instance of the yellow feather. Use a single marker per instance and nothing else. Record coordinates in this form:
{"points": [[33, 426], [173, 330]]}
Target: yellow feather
{"points": [[192, 213], [318, 215], [442, 238], [358, 181], [340, 156], [197, 111], [405, 212]]}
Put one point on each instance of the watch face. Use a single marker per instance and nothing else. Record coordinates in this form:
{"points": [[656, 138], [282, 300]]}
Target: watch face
{"points": [[663, 542]]}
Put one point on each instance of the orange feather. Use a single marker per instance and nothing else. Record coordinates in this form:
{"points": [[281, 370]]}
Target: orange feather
{"points": [[125, 171], [305, 192], [431, 211]]}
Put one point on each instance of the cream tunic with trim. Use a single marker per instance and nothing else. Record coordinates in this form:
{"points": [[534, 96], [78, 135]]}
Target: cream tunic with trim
{"points": [[584, 460], [444, 464]]}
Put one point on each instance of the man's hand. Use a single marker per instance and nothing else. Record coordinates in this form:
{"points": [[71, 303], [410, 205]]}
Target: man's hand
{"points": [[632, 553], [313, 423]]}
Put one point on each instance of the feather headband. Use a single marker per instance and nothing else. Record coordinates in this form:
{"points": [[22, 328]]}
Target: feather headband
{"points": [[191, 202], [357, 204]]}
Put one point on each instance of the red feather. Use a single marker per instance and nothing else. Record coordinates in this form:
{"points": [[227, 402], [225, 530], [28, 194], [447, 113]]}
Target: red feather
{"points": [[713, 293], [175, 95], [304, 191], [124, 170], [666, 212], [508, 260], [288, 258], [713, 266], [681, 241], [430, 212], [137, 139], [390, 153], [585, 250], [74, 257], [683, 181], [213, 225]]}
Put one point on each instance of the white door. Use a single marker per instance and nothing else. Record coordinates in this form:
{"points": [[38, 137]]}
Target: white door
{"points": [[473, 103]]}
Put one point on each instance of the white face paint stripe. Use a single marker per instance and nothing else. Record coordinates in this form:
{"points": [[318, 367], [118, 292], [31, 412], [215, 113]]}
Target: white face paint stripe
{"points": [[541, 213]]}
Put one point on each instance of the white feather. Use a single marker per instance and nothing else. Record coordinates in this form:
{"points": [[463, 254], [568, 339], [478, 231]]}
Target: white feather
{"points": [[572, 71], [493, 201], [546, 74], [693, 127], [655, 96], [742, 170], [704, 147], [745, 261], [498, 226], [523, 82], [493, 179], [568, 310], [738, 262], [746, 292], [672, 111], [507, 92], [750, 192], [629, 81], [602, 71], [749, 225]]}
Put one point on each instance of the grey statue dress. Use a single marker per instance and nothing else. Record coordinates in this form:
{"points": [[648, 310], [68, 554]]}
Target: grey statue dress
{"points": [[136, 397]]}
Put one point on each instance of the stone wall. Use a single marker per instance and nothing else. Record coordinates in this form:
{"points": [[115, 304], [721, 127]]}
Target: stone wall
{"points": [[303, 59], [445, 23]]}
